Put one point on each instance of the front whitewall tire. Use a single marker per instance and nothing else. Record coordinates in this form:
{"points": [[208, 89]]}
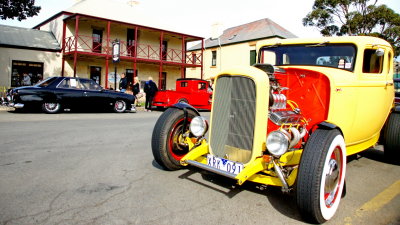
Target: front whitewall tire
{"points": [[321, 176], [329, 207]]}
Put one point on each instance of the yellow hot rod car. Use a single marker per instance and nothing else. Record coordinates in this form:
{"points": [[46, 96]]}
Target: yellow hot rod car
{"points": [[291, 119]]}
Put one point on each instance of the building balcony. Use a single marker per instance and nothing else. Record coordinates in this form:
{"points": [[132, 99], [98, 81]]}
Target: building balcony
{"points": [[87, 45]]}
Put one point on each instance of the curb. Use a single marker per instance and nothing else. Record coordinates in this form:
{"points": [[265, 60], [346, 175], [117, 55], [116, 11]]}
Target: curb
{"points": [[6, 108]]}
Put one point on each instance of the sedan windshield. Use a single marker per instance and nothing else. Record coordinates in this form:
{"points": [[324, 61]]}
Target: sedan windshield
{"points": [[46, 82], [340, 56]]}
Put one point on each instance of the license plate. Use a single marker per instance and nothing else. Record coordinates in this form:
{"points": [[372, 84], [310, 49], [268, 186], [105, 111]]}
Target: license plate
{"points": [[224, 164]]}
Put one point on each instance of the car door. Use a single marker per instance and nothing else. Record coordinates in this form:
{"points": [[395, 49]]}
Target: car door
{"points": [[375, 93], [202, 95], [69, 93], [93, 94]]}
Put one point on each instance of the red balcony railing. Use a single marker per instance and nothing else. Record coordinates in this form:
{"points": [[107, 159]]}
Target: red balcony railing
{"points": [[146, 52]]}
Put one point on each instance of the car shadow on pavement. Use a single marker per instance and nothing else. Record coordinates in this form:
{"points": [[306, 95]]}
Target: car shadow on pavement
{"points": [[376, 155], [283, 203]]}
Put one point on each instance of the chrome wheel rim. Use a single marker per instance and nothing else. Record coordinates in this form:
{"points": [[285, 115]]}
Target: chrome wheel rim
{"points": [[51, 106], [120, 106], [332, 177]]}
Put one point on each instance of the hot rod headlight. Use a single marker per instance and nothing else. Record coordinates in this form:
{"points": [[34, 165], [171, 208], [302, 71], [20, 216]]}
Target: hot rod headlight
{"points": [[198, 126], [277, 143]]}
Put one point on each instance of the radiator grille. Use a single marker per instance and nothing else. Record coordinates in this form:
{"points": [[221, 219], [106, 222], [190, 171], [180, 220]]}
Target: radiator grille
{"points": [[233, 118]]}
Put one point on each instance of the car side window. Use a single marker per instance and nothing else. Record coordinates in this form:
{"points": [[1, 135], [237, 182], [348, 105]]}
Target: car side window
{"points": [[90, 85], [184, 84], [70, 83], [372, 63], [202, 86], [64, 83]]}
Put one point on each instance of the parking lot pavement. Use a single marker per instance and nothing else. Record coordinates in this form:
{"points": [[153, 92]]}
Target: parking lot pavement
{"points": [[98, 168]]}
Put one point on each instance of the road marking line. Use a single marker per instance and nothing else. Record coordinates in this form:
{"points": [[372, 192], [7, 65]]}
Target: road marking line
{"points": [[377, 202], [382, 198]]}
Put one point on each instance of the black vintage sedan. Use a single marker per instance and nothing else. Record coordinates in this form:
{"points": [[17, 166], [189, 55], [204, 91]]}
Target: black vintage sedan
{"points": [[61, 93]]}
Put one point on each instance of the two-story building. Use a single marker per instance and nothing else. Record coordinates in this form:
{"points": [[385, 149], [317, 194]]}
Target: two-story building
{"points": [[236, 46], [86, 33]]}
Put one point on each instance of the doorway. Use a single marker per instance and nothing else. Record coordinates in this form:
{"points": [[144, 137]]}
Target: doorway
{"points": [[95, 74], [129, 76]]}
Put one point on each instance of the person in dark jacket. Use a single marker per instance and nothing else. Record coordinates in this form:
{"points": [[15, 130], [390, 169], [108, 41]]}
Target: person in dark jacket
{"points": [[150, 88], [123, 83]]}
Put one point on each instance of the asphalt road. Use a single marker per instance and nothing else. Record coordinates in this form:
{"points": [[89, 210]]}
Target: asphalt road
{"points": [[77, 168]]}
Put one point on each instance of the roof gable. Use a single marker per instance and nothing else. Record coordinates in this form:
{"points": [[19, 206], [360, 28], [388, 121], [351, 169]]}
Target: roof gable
{"points": [[260, 29]]}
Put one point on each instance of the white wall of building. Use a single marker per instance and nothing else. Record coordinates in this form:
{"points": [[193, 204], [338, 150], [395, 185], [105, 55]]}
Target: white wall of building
{"points": [[51, 61]]}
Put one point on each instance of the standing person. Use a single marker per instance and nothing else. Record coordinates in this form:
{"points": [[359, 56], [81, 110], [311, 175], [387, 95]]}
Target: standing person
{"points": [[136, 88], [26, 79], [123, 83], [150, 88]]}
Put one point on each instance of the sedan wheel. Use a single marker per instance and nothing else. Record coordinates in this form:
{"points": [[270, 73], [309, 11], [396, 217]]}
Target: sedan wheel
{"points": [[51, 107], [119, 106]]}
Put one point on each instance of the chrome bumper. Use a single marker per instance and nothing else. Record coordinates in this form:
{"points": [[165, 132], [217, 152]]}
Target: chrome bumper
{"points": [[17, 105], [211, 169]]}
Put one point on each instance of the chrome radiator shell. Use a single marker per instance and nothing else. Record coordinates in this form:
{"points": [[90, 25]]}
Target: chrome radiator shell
{"points": [[233, 118]]}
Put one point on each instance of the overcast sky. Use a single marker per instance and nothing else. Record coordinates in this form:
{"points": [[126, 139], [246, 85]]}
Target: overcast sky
{"points": [[196, 17]]}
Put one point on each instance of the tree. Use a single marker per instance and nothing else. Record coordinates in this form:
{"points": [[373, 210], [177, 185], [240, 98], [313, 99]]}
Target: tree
{"points": [[20, 9], [355, 17]]}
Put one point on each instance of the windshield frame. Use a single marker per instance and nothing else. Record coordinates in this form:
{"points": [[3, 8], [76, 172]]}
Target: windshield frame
{"points": [[347, 66]]}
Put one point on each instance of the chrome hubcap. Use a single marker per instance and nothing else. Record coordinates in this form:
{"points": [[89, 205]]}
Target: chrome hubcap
{"points": [[332, 178], [51, 106], [119, 105]]}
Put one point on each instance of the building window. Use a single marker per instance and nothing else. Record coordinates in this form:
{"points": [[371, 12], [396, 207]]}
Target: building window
{"points": [[252, 57], [214, 58], [194, 57], [25, 73], [130, 42], [164, 50], [97, 36], [372, 62]]}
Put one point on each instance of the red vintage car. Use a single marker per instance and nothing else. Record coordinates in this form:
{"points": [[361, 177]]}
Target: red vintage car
{"points": [[196, 92]]}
